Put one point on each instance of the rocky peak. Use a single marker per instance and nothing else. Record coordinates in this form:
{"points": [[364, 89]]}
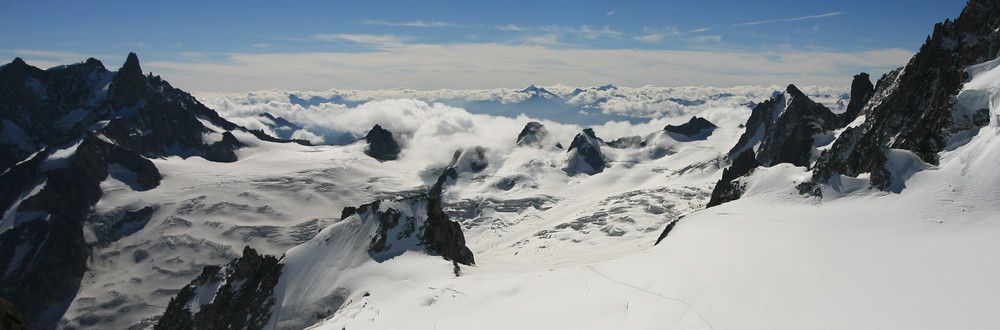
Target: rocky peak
{"points": [[538, 92], [861, 91], [93, 62], [14, 74], [585, 154], [694, 128], [532, 135], [129, 84], [783, 128], [381, 145]]}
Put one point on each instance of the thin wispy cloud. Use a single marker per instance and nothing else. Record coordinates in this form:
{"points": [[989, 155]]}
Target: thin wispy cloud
{"points": [[793, 19], [368, 39], [586, 31], [512, 27], [545, 40], [612, 13], [414, 24], [705, 39], [654, 35]]}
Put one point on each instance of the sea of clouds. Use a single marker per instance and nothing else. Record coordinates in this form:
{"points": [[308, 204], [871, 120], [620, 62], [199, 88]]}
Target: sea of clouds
{"points": [[428, 128]]}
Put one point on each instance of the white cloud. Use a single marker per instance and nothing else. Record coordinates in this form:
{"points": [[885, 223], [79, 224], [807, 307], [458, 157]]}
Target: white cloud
{"points": [[586, 31], [612, 13], [550, 39], [414, 23], [789, 19], [489, 65], [368, 39], [599, 33], [706, 39], [512, 27], [654, 35]]}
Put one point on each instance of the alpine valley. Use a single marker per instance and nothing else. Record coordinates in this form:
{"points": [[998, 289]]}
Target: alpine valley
{"points": [[131, 204]]}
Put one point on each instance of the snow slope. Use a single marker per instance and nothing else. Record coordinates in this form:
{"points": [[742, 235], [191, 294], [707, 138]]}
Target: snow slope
{"points": [[922, 258]]}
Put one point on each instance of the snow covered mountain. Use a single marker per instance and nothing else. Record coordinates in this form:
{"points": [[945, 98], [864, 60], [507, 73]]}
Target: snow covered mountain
{"points": [[129, 204]]}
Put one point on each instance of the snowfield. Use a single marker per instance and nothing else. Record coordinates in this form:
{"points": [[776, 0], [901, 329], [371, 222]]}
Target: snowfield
{"points": [[919, 259], [523, 210]]}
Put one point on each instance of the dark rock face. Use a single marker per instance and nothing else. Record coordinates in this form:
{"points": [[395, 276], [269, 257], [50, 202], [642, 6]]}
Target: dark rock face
{"points": [[911, 108], [57, 244], [243, 299], [728, 188], [381, 145], [861, 91], [697, 128], [83, 124], [784, 127], [10, 318], [588, 157], [129, 85], [532, 135]]}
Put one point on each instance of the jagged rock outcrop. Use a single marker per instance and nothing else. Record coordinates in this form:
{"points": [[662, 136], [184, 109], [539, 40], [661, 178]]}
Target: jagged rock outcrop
{"points": [[862, 90], [381, 145], [912, 107], [585, 154], [729, 188], [129, 84], [239, 295], [697, 128], [784, 128], [441, 235], [532, 135]]}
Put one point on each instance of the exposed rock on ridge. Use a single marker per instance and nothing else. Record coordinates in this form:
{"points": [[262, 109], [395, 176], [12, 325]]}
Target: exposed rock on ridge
{"points": [[585, 154], [912, 108], [381, 145], [242, 296], [697, 128]]}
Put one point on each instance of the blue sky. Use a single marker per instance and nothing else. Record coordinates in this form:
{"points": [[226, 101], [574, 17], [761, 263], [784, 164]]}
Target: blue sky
{"points": [[319, 45]]}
